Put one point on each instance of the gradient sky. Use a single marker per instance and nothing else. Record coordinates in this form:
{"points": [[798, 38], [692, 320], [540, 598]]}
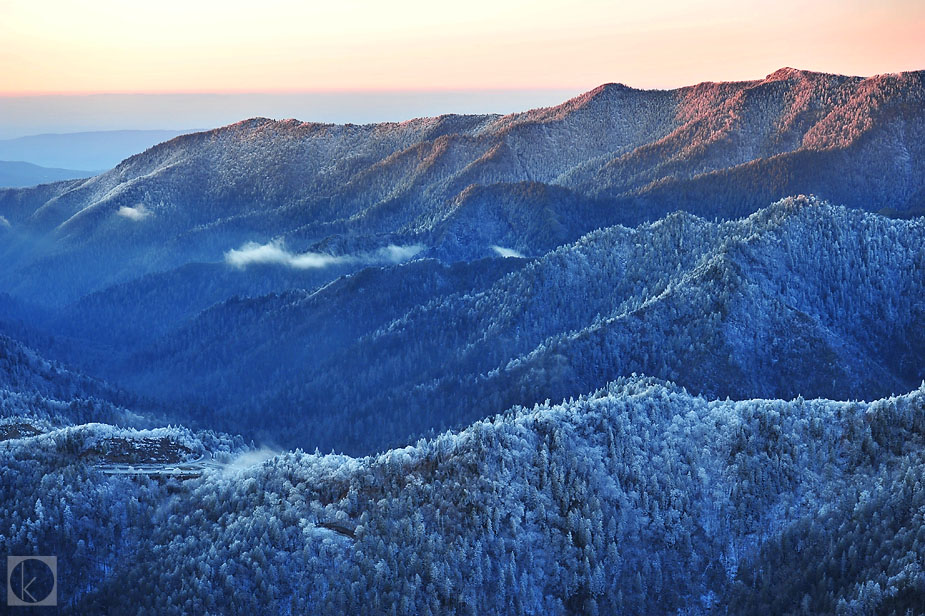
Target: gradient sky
{"points": [[90, 46]]}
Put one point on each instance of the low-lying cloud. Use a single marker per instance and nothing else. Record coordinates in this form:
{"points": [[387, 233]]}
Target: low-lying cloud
{"points": [[507, 252], [4, 222], [250, 458], [138, 212], [276, 253], [397, 254]]}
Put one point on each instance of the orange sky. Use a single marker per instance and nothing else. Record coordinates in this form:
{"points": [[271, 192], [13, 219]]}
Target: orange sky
{"points": [[79, 46]]}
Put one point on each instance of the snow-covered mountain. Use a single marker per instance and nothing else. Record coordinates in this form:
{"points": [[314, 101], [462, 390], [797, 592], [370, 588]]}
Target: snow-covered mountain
{"points": [[459, 185], [605, 357], [799, 298]]}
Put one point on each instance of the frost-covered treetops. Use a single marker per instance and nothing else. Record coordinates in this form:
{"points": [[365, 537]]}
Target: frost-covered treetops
{"points": [[602, 358]]}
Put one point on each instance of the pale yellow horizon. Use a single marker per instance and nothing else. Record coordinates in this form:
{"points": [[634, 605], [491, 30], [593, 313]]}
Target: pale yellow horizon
{"points": [[50, 47]]}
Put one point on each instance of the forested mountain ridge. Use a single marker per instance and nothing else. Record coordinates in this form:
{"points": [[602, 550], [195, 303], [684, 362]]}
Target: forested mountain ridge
{"points": [[800, 298], [639, 498], [601, 357], [615, 155], [24, 370]]}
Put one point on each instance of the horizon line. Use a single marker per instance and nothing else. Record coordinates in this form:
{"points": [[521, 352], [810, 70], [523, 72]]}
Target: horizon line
{"points": [[283, 92], [414, 90]]}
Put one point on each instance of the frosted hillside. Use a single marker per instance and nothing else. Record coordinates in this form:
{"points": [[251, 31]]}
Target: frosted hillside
{"points": [[462, 184], [799, 298], [643, 352], [639, 498]]}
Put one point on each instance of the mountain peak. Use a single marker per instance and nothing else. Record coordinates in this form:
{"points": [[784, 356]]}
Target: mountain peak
{"points": [[606, 91], [610, 88], [785, 73], [603, 91]]}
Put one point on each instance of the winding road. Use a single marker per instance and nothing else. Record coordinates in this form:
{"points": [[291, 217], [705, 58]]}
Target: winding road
{"points": [[190, 468]]}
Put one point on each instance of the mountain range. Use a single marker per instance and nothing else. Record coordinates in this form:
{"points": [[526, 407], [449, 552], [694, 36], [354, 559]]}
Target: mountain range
{"points": [[460, 185], [645, 351], [799, 298]]}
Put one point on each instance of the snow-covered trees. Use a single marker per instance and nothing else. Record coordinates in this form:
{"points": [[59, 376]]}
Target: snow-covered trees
{"points": [[799, 298], [638, 498]]}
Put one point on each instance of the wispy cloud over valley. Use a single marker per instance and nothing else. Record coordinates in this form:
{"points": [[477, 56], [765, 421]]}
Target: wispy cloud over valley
{"points": [[276, 253]]}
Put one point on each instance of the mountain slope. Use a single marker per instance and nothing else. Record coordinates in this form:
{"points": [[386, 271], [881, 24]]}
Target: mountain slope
{"points": [[717, 149], [637, 499], [282, 335], [799, 298]]}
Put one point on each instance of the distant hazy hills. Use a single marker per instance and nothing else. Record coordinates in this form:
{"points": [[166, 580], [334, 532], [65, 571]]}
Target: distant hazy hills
{"points": [[85, 150], [15, 174], [41, 159]]}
